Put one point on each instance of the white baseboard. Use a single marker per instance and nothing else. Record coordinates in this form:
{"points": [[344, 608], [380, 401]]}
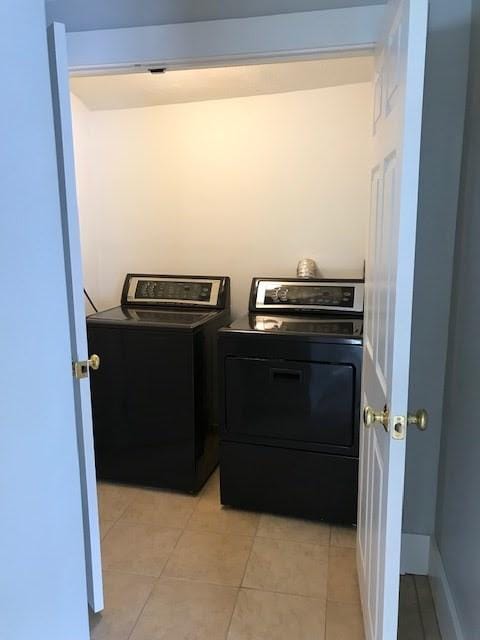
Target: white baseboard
{"points": [[445, 607], [415, 557]]}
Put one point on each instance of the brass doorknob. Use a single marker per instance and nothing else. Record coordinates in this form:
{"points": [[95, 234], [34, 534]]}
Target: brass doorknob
{"points": [[419, 419], [94, 362], [370, 416]]}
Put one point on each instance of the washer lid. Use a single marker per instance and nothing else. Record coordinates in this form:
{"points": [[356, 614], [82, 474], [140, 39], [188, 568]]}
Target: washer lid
{"points": [[139, 316]]}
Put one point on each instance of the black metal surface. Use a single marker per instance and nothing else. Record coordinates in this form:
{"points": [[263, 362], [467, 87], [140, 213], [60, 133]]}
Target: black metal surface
{"points": [[154, 398], [335, 329], [289, 482], [256, 408], [300, 402], [289, 414], [146, 316]]}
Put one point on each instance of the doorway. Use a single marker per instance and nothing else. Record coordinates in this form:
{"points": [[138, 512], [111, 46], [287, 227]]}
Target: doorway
{"points": [[393, 58], [192, 171]]}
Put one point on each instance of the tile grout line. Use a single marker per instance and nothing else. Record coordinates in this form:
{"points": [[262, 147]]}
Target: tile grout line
{"points": [[239, 588], [183, 531], [117, 520], [143, 608], [252, 540], [287, 593], [198, 498], [156, 579], [159, 577], [254, 537], [227, 632], [231, 586]]}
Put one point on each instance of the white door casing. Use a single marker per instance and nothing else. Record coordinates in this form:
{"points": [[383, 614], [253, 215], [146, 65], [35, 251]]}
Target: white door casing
{"points": [[397, 118], [74, 284]]}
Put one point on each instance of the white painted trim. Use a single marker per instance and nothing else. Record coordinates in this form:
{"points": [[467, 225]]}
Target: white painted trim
{"points": [[219, 42], [447, 615], [74, 287], [415, 556]]}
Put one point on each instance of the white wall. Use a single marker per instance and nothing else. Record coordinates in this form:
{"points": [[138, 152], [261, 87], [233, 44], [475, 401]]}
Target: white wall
{"points": [[441, 156], [85, 194], [458, 507], [240, 187]]}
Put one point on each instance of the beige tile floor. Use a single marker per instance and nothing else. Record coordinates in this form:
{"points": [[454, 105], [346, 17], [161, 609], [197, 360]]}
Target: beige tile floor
{"points": [[181, 567]]}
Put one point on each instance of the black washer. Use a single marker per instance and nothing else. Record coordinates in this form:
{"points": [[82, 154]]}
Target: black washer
{"points": [[154, 398]]}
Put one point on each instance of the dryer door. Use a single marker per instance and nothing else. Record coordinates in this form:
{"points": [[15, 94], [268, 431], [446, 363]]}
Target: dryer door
{"points": [[308, 402]]}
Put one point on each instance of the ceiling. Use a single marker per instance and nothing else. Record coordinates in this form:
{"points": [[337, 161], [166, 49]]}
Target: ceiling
{"points": [[106, 14], [173, 87]]}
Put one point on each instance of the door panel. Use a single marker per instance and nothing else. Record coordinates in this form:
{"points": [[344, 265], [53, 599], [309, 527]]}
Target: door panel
{"points": [[299, 401], [397, 117], [74, 285], [43, 590]]}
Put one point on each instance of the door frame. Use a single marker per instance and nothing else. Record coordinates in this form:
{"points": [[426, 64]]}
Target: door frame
{"points": [[74, 284], [102, 52]]}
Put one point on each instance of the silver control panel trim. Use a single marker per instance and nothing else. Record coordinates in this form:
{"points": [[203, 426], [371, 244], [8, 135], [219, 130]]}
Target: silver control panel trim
{"points": [[212, 301], [264, 285]]}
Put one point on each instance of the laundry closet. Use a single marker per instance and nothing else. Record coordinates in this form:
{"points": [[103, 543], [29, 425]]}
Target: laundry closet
{"points": [[240, 172]]}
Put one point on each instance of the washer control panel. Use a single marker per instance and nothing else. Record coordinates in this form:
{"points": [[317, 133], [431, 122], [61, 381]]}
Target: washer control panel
{"points": [[185, 291], [174, 290], [296, 294]]}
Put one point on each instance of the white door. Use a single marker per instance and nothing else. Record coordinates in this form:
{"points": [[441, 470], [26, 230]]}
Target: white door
{"points": [[73, 269], [42, 562], [397, 117]]}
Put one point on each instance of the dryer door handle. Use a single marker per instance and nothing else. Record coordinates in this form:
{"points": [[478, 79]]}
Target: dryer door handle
{"points": [[286, 375]]}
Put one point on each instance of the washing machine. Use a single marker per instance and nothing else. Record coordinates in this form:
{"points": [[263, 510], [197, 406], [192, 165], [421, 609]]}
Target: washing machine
{"points": [[154, 397], [290, 381]]}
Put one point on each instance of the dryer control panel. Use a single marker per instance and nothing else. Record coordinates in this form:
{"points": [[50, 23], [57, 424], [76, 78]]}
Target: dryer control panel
{"points": [[299, 295], [212, 292]]}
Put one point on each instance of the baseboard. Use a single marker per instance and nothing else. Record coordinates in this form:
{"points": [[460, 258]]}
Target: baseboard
{"points": [[447, 616], [415, 557]]}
